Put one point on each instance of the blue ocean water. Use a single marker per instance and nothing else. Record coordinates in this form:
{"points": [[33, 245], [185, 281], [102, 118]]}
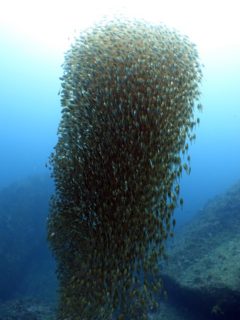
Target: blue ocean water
{"points": [[30, 113], [30, 107], [215, 155]]}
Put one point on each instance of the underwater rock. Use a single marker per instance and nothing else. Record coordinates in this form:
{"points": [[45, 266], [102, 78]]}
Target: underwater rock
{"points": [[203, 271], [26, 309], [23, 247]]}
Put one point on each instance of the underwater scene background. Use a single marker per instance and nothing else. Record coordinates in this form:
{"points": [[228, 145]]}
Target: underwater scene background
{"points": [[202, 273]]}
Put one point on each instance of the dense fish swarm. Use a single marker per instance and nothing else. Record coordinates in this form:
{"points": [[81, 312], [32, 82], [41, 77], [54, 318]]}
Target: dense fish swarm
{"points": [[129, 91]]}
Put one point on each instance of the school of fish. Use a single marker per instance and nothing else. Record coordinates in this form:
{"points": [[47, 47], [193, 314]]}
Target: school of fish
{"points": [[129, 98]]}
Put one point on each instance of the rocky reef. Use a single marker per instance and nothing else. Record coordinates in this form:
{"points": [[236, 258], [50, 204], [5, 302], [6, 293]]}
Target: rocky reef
{"points": [[26, 266], [203, 270], [201, 275]]}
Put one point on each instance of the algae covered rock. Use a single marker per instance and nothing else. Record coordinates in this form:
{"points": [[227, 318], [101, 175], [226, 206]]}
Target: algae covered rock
{"points": [[23, 214], [129, 92], [204, 263]]}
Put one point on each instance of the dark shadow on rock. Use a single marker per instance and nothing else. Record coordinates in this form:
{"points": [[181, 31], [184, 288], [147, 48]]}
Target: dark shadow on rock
{"points": [[202, 305]]}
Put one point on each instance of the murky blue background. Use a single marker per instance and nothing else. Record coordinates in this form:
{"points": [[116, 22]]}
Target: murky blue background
{"points": [[30, 113]]}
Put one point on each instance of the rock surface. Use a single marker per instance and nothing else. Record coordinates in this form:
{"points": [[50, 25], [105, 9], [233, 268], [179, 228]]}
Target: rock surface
{"points": [[202, 275], [203, 272], [26, 309], [26, 267]]}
